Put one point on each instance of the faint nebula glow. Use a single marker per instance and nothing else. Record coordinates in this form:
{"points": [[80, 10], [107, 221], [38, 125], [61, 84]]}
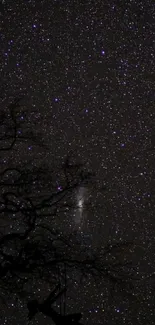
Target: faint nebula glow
{"points": [[79, 215]]}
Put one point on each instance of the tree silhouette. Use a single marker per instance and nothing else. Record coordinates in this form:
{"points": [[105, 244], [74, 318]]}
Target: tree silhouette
{"points": [[31, 244], [34, 306]]}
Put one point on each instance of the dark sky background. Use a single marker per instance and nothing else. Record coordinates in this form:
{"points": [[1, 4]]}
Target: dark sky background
{"points": [[86, 72]]}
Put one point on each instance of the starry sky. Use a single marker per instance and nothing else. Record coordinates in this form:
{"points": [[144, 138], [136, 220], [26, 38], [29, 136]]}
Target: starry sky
{"points": [[85, 71]]}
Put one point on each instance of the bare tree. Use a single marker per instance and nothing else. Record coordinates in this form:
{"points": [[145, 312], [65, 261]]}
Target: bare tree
{"points": [[32, 247], [34, 306]]}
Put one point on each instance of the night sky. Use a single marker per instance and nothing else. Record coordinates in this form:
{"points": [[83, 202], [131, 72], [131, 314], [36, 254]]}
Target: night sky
{"points": [[85, 72]]}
